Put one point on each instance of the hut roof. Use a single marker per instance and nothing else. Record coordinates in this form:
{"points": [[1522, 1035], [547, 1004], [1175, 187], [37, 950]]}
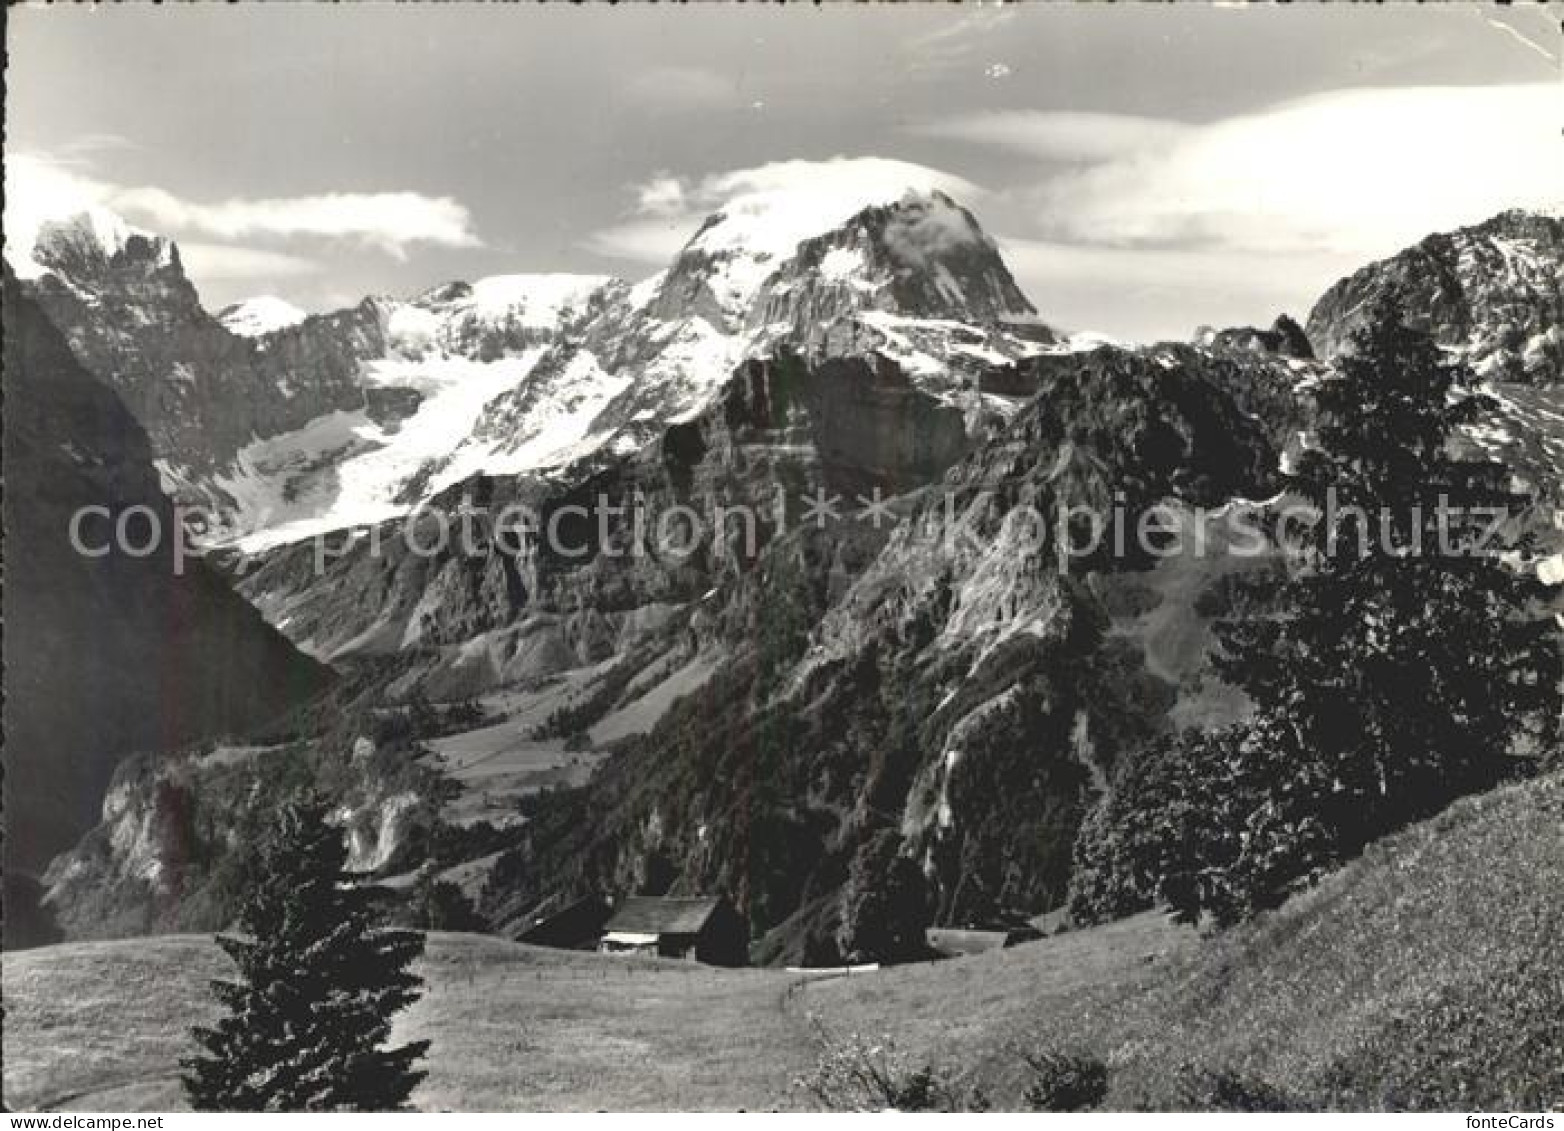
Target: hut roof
{"points": [[662, 915]]}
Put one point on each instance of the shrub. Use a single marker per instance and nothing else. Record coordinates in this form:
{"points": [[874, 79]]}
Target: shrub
{"points": [[1221, 825], [440, 905], [854, 1073], [1065, 1081], [1221, 1089], [885, 904]]}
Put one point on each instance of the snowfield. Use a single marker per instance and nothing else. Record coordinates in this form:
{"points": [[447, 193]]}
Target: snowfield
{"points": [[345, 469], [263, 314]]}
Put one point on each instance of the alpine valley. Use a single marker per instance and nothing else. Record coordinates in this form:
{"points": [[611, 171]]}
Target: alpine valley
{"points": [[799, 713]]}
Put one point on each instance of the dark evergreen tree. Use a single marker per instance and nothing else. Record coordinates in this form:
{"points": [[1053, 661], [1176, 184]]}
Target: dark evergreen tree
{"points": [[1409, 659], [440, 905], [884, 904], [308, 1021]]}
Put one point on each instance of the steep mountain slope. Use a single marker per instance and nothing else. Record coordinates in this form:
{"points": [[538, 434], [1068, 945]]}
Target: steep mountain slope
{"points": [[597, 369], [962, 692], [1494, 294], [1493, 291], [476, 380], [787, 697], [958, 685], [913, 288], [114, 653], [505, 606], [1420, 977], [913, 275], [621, 622]]}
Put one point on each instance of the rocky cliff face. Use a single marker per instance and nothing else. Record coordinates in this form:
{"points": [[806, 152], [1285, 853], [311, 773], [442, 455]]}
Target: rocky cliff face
{"points": [[107, 654], [176, 832], [509, 607], [895, 335], [1494, 292], [1285, 337], [135, 322], [916, 281], [963, 688]]}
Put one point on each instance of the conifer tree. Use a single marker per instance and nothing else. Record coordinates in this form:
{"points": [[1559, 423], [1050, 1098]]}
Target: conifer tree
{"points": [[320, 980], [1411, 657]]}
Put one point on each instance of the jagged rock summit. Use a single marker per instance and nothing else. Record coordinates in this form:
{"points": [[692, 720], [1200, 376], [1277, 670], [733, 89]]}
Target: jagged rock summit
{"points": [[1493, 291]]}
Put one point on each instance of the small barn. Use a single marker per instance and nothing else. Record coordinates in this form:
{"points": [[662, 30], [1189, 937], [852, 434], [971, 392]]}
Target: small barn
{"points": [[705, 929]]}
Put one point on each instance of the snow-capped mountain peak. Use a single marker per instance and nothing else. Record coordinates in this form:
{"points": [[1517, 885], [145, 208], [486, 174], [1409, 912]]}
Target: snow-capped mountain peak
{"points": [[260, 315], [766, 214], [922, 256], [495, 315], [78, 241], [536, 300]]}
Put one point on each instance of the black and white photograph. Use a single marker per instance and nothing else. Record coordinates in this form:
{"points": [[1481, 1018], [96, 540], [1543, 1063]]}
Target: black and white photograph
{"points": [[807, 557]]}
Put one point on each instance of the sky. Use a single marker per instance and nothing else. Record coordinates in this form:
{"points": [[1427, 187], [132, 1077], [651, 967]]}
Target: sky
{"points": [[1144, 169]]}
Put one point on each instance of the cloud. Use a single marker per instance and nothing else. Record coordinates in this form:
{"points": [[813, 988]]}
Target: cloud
{"points": [[643, 241], [1053, 135], [1159, 224], [771, 207], [1152, 295], [663, 195], [211, 262], [82, 149], [1361, 171], [389, 221], [40, 188]]}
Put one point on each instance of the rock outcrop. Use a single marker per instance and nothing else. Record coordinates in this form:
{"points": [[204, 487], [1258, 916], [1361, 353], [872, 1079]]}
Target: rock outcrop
{"points": [[1493, 292], [107, 651], [201, 392], [1285, 337]]}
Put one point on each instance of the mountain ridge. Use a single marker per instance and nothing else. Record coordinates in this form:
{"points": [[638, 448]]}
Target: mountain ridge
{"points": [[914, 278], [1492, 292]]}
